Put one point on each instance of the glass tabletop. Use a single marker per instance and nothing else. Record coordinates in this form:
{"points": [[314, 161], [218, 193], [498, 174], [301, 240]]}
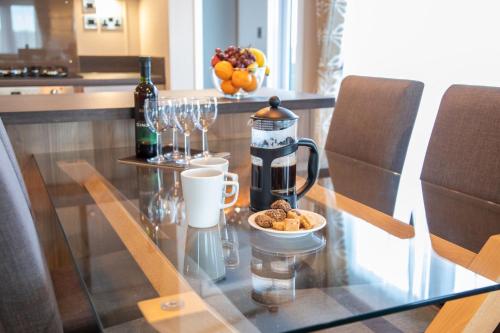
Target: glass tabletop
{"points": [[144, 268]]}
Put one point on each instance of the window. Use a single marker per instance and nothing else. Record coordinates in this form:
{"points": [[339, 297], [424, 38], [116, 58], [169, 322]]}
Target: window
{"points": [[23, 18], [282, 43], [25, 31]]}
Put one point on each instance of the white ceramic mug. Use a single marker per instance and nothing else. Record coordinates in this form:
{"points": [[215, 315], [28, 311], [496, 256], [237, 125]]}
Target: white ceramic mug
{"points": [[204, 191], [217, 163]]}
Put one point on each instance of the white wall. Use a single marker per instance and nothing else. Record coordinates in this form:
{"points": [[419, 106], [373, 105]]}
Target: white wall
{"points": [[252, 14], [181, 30], [437, 42]]}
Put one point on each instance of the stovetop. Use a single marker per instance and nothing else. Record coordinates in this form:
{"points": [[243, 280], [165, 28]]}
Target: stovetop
{"points": [[34, 72]]}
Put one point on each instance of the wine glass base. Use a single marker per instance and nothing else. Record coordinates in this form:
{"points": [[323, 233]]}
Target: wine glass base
{"points": [[173, 157], [157, 160], [183, 161]]}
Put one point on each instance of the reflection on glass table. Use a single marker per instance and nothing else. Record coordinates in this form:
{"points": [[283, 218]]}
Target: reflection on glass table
{"points": [[277, 263], [203, 254], [361, 271], [160, 202]]}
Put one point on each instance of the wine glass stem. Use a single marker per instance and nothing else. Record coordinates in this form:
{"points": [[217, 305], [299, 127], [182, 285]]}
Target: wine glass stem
{"points": [[175, 142], [159, 179], [187, 147], [159, 145], [205, 142]]}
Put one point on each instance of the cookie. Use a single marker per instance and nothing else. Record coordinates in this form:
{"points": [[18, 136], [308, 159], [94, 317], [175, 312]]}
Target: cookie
{"points": [[281, 204], [279, 225], [305, 223], [276, 214], [264, 221], [292, 225], [291, 214]]}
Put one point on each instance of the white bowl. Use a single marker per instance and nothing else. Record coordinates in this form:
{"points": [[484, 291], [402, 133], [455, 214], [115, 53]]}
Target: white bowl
{"points": [[318, 221], [260, 74]]}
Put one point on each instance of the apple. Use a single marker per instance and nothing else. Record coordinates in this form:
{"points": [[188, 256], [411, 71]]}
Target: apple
{"points": [[215, 60]]}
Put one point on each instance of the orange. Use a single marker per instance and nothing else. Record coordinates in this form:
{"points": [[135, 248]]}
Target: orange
{"points": [[241, 79], [252, 85], [228, 88], [224, 70]]}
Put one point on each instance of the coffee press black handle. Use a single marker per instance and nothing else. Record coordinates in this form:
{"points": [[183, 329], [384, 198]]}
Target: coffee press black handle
{"points": [[312, 165]]}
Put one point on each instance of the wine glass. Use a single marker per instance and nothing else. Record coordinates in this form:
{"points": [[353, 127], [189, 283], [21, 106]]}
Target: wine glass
{"points": [[175, 154], [207, 113], [158, 123], [158, 210], [230, 244], [185, 120], [175, 201]]}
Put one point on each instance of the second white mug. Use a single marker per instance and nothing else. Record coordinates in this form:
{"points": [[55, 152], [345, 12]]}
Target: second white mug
{"points": [[217, 163]]}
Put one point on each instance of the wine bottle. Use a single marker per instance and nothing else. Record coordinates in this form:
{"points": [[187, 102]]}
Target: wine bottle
{"points": [[145, 139]]}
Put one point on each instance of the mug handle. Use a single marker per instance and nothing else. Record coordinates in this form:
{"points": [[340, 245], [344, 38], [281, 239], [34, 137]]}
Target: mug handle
{"points": [[234, 191], [233, 177]]}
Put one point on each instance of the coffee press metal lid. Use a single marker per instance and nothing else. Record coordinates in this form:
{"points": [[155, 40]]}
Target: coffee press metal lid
{"points": [[274, 112]]}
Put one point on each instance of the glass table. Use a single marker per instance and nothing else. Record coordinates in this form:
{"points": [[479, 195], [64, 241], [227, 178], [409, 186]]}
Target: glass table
{"points": [[145, 270]]}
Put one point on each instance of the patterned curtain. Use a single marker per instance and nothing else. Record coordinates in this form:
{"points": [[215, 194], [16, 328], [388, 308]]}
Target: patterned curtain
{"points": [[330, 15]]}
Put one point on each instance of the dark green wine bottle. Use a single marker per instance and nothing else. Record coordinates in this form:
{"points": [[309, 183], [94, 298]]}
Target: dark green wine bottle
{"points": [[145, 139]]}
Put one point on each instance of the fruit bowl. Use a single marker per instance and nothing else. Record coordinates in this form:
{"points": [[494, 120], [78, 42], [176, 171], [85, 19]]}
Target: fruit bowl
{"points": [[238, 72], [243, 82]]}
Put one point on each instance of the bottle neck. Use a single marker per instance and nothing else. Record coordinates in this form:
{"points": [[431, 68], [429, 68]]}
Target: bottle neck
{"points": [[145, 74]]}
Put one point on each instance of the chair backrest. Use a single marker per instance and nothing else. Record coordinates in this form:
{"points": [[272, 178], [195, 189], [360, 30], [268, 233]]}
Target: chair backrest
{"points": [[464, 149], [27, 301], [5, 141], [373, 119]]}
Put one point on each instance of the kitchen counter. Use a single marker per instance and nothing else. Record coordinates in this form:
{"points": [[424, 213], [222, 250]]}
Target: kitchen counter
{"points": [[82, 79], [36, 109]]}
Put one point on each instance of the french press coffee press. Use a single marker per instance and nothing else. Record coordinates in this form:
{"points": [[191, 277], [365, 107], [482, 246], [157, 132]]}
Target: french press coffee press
{"points": [[274, 161]]}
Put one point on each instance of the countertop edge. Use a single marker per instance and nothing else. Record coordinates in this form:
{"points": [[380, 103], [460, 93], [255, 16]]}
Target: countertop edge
{"points": [[72, 81], [108, 111]]}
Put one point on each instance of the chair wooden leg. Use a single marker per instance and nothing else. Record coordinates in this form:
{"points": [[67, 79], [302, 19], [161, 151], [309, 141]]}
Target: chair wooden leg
{"points": [[480, 313]]}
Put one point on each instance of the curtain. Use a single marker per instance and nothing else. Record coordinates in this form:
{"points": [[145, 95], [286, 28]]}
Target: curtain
{"points": [[330, 15]]}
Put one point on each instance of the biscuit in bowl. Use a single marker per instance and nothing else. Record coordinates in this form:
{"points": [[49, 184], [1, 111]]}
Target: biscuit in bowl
{"points": [[264, 221], [292, 225], [276, 214], [281, 204]]}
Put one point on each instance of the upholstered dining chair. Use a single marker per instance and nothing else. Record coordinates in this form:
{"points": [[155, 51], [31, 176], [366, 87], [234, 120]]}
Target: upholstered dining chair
{"points": [[28, 302], [464, 149], [5, 142], [463, 155], [373, 120]]}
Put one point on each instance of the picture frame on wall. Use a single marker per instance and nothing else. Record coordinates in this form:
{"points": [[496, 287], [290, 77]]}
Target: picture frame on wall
{"points": [[90, 22], [89, 6]]}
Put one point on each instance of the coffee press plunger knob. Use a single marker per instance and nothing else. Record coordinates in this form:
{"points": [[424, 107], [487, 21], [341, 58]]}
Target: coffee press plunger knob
{"points": [[274, 102]]}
